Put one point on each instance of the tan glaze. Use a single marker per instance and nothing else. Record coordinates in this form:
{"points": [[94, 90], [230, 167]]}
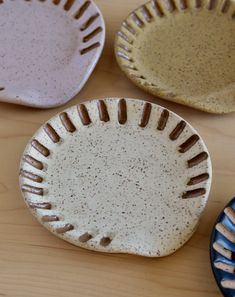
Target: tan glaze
{"points": [[103, 112], [122, 111], [230, 213], [40, 148], [145, 115], [197, 159], [178, 130], [229, 284], [223, 251], [67, 123], [84, 115], [225, 267], [185, 55], [225, 232], [50, 131]]}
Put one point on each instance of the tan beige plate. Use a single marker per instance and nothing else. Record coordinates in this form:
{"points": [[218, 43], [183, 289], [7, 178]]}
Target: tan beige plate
{"points": [[182, 51], [118, 176]]}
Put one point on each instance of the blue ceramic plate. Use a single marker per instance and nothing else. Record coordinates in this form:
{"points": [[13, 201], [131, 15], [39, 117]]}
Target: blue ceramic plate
{"points": [[222, 251]]}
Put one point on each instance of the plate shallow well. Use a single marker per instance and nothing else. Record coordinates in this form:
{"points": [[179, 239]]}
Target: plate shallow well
{"points": [[182, 51], [48, 49], [117, 175]]}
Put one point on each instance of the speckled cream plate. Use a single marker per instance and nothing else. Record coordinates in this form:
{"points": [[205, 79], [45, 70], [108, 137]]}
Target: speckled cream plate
{"points": [[118, 176], [48, 49], [182, 51]]}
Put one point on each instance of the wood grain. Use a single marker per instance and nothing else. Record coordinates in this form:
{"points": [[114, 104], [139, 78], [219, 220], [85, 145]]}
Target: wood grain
{"points": [[34, 263]]}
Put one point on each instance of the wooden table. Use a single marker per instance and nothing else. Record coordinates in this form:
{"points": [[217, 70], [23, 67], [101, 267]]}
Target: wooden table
{"points": [[34, 263]]}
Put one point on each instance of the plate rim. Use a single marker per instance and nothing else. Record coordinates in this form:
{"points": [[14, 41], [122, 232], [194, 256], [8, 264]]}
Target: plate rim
{"points": [[116, 99]]}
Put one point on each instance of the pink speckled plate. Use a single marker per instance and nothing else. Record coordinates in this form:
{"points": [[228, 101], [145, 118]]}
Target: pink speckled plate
{"points": [[48, 49]]}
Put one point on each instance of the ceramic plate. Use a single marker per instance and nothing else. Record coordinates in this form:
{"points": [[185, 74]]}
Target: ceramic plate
{"points": [[117, 176], [183, 51], [222, 250], [48, 49]]}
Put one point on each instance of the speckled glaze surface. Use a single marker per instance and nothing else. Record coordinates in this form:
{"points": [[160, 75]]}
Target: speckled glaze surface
{"points": [[48, 49], [118, 176], [182, 51]]}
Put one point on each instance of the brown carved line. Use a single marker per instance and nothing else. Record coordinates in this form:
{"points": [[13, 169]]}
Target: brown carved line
{"points": [[82, 10], [194, 193], [124, 47], [32, 190], [146, 13], [85, 237], [91, 35], [163, 120], [171, 5], [198, 3], [211, 4], [50, 218], [50, 131], [89, 22], [125, 37], [178, 130], [56, 2], [137, 20], [65, 228], [158, 9], [33, 162], [190, 142], [31, 176], [67, 123], [225, 6], [40, 148], [129, 27], [105, 241], [198, 179], [43, 205], [68, 4], [145, 114], [89, 48], [84, 115], [183, 4], [197, 159], [122, 111], [103, 112]]}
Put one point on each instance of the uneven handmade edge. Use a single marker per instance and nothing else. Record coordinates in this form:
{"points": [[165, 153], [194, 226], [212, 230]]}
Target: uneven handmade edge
{"points": [[86, 16], [37, 155], [146, 14], [222, 250]]}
